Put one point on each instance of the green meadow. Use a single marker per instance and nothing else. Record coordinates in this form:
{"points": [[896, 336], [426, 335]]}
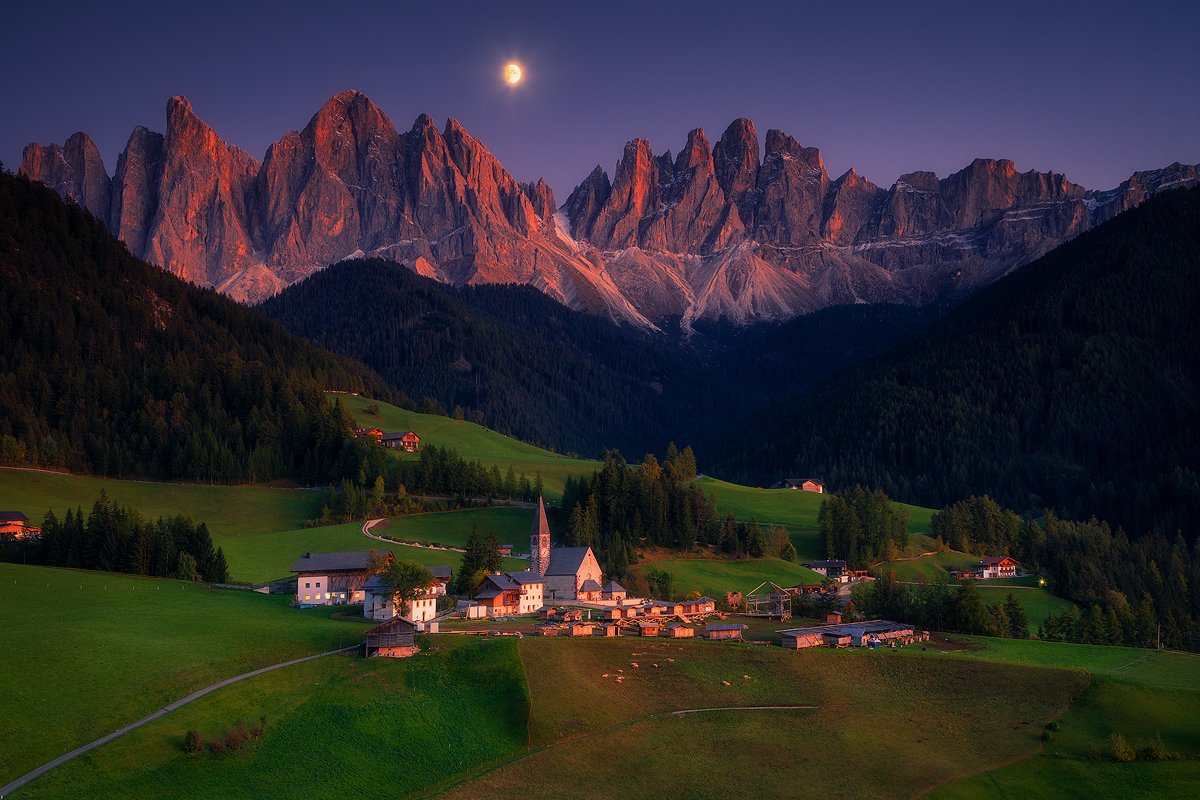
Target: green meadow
{"points": [[266, 556], [1143, 695], [227, 510], [510, 526], [87, 652], [472, 441], [341, 726]]}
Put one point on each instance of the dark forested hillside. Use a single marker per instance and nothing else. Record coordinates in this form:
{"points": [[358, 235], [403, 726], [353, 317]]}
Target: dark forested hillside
{"points": [[526, 364], [1072, 384], [111, 366]]}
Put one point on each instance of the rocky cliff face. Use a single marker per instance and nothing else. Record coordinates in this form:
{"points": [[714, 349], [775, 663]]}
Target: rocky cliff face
{"points": [[713, 232]]}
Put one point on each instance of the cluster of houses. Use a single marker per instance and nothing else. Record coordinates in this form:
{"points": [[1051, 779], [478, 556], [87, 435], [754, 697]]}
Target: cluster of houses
{"points": [[407, 441], [14, 525], [561, 586]]}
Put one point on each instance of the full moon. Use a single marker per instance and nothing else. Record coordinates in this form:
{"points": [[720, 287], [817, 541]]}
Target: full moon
{"points": [[513, 73]]}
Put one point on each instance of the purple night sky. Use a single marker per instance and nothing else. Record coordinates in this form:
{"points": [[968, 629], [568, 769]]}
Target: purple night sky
{"points": [[1092, 89]]}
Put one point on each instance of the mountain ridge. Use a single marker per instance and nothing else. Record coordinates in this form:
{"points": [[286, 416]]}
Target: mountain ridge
{"points": [[714, 233]]}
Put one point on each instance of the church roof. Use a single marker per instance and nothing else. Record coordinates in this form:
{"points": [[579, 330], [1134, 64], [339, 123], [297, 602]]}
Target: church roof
{"points": [[567, 560], [540, 525]]}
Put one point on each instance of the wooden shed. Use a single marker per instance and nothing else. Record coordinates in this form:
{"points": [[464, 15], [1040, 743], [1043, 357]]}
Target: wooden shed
{"points": [[612, 629], [393, 639], [578, 629], [798, 640], [724, 630], [680, 632], [648, 628]]}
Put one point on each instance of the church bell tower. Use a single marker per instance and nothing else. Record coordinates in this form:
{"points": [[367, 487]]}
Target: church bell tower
{"points": [[539, 541]]}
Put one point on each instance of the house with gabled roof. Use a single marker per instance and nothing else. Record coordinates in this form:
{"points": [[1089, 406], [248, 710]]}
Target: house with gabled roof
{"points": [[508, 593], [406, 441], [379, 602], [613, 591], [329, 579], [15, 525], [803, 485]]}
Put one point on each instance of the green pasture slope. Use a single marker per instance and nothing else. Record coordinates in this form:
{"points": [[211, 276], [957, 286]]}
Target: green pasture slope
{"points": [[1143, 695], [883, 726], [341, 726], [510, 526], [473, 442], [227, 510], [796, 510], [87, 652], [261, 557], [714, 577]]}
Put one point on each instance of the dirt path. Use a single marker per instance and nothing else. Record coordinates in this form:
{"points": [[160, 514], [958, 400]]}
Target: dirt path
{"points": [[162, 712]]}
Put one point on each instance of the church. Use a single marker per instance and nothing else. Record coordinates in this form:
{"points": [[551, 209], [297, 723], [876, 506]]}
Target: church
{"points": [[570, 573]]}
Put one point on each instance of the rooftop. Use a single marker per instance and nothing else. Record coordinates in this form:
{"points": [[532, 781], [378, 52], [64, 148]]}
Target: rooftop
{"points": [[13, 516], [332, 562], [567, 560]]}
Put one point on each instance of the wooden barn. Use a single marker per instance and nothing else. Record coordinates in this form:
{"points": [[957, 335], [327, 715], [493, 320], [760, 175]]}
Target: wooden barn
{"points": [[680, 631], [393, 639], [724, 630], [798, 639], [611, 629], [815, 485]]}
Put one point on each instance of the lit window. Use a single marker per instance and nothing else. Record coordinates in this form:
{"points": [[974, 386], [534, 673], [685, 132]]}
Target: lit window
{"points": [[308, 597]]}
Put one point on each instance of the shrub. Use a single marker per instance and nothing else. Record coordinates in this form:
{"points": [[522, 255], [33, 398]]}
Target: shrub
{"points": [[1121, 751], [217, 747], [1155, 751], [193, 742]]}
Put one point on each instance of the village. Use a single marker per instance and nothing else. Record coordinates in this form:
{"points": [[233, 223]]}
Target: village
{"points": [[564, 593]]}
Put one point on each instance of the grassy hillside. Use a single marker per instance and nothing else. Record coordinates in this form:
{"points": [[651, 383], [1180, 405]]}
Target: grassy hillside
{"points": [[227, 510], [973, 714], [86, 652], [714, 577], [797, 510], [258, 557], [510, 525], [1139, 694], [473, 442], [354, 725]]}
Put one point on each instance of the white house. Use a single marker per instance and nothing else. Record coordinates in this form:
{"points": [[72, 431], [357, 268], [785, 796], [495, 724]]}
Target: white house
{"points": [[379, 603]]}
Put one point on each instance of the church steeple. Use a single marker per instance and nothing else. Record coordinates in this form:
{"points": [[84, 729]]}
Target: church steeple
{"points": [[539, 541]]}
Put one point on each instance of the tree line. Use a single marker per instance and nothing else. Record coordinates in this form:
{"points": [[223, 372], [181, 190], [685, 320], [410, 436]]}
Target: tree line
{"points": [[862, 527], [114, 538]]}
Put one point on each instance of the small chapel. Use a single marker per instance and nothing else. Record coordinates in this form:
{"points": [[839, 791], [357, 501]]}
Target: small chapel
{"points": [[570, 573]]}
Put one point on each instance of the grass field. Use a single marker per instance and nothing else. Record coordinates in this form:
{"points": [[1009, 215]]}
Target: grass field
{"points": [[510, 525], [473, 442], [260, 557], [795, 510], [1139, 694], [1037, 603], [227, 510], [884, 727], [714, 577], [86, 652], [336, 727], [929, 568]]}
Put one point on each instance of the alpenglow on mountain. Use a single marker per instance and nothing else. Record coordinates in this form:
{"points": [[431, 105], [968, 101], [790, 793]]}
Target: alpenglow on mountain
{"points": [[717, 232]]}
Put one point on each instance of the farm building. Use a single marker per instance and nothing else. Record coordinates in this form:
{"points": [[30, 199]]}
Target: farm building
{"points": [[612, 629], [802, 485], [648, 627], [578, 629], [374, 434], [329, 579], [566, 570], [701, 605], [854, 634], [589, 591], [612, 613], [508, 593], [504, 550], [379, 602], [680, 631], [395, 638], [613, 591], [833, 569], [443, 576], [15, 525], [991, 567], [724, 630], [406, 441], [547, 630]]}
